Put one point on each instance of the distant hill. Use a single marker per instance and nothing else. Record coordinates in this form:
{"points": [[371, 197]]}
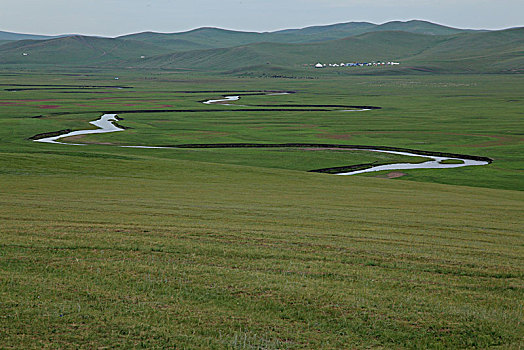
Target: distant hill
{"points": [[75, 50], [342, 30], [370, 46], [168, 41], [18, 36], [420, 27], [350, 27], [465, 52], [208, 38], [419, 47], [203, 38], [497, 51]]}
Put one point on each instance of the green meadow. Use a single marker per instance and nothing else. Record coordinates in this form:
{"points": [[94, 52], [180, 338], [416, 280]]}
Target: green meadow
{"points": [[103, 246], [467, 114]]}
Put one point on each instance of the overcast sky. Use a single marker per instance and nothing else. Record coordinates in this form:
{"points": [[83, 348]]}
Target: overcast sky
{"points": [[116, 17]]}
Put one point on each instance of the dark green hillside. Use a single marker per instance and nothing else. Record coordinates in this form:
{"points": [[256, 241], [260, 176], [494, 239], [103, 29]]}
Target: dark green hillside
{"points": [[167, 41], [204, 38], [371, 46], [213, 38], [421, 27], [342, 30], [350, 27], [75, 50], [490, 51], [480, 52], [471, 52], [207, 38]]}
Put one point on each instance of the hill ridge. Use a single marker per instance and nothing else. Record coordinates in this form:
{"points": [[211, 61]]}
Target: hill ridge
{"points": [[493, 51]]}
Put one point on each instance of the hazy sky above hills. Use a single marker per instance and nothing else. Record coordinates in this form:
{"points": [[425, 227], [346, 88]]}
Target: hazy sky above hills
{"points": [[116, 17]]}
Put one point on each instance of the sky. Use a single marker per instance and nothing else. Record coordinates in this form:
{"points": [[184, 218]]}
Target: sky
{"points": [[118, 17]]}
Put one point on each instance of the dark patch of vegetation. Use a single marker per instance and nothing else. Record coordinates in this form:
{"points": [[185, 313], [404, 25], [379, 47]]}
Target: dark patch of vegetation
{"points": [[346, 169], [118, 125], [50, 134], [451, 161]]}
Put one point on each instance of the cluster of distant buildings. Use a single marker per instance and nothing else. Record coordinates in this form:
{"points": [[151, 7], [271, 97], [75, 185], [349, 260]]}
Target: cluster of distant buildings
{"points": [[356, 64]]}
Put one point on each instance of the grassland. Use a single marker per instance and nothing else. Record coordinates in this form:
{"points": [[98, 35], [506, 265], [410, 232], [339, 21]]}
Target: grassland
{"points": [[109, 247], [291, 53], [477, 115]]}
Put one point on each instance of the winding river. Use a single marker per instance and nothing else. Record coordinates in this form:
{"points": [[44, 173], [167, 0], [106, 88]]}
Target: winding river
{"points": [[105, 124], [435, 163], [221, 101]]}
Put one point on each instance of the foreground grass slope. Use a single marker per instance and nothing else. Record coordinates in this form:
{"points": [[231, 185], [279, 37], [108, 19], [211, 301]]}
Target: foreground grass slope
{"points": [[124, 253]]}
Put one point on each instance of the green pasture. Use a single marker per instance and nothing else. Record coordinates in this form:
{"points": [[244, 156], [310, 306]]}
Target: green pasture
{"points": [[476, 115], [109, 247]]}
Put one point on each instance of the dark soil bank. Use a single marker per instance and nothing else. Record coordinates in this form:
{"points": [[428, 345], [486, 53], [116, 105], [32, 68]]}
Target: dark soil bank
{"points": [[50, 134]]}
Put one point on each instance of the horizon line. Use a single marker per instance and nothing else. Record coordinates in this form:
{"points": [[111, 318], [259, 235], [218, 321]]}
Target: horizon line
{"points": [[250, 31]]}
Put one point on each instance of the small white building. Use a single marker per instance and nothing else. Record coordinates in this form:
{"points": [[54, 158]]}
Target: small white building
{"points": [[319, 65]]}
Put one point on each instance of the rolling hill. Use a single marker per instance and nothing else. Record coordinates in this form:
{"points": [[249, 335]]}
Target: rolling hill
{"points": [[371, 46], [207, 38], [462, 52], [201, 38], [342, 30], [75, 50], [465, 52], [498, 51]]}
